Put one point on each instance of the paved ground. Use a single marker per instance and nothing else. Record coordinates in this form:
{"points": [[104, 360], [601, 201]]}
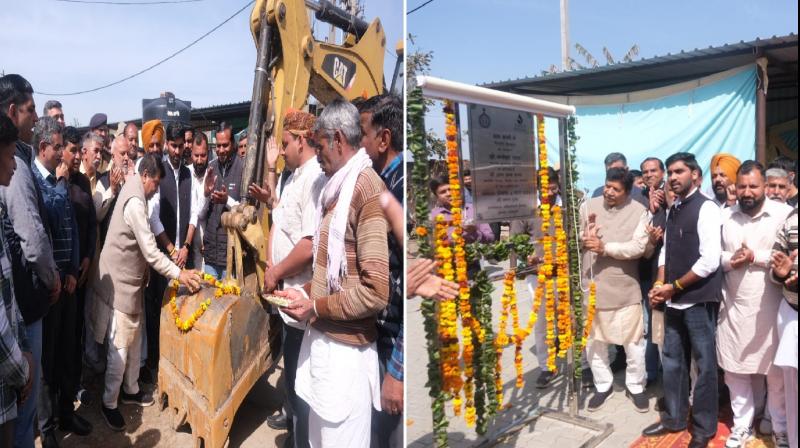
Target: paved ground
{"points": [[149, 427], [542, 432]]}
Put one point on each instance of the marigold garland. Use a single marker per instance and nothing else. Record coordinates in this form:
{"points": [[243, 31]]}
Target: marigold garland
{"points": [[469, 326], [590, 310], [188, 324], [447, 319], [562, 285], [544, 177], [420, 176]]}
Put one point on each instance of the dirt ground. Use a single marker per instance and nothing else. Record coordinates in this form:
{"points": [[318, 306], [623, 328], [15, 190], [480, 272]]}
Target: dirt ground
{"points": [[150, 427]]}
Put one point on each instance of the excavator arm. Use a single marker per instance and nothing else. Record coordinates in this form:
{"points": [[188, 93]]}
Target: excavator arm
{"points": [[290, 66]]}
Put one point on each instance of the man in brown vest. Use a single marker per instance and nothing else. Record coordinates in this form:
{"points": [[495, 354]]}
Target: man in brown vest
{"points": [[615, 237], [118, 288]]}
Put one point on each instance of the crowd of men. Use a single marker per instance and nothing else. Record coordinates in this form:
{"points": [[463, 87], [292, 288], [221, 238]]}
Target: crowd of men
{"points": [[95, 225], [697, 289]]}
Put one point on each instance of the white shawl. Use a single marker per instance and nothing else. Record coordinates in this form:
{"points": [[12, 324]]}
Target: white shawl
{"points": [[340, 189]]}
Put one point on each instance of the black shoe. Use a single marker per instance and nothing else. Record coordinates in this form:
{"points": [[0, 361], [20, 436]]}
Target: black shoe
{"points": [[599, 399], [139, 399], [146, 376], [587, 379], [49, 439], [75, 424], [699, 442], [640, 401], [277, 421], [657, 429], [113, 418], [544, 379], [660, 405]]}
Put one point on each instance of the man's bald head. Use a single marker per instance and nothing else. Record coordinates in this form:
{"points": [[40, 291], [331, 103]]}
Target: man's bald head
{"points": [[120, 148]]}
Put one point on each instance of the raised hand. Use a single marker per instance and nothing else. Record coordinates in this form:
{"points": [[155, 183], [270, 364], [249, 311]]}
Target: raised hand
{"points": [[210, 181], [654, 233], [62, 170], [657, 200], [117, 176], [744, 255], [273, 151], [261, 194], [220, 196]]}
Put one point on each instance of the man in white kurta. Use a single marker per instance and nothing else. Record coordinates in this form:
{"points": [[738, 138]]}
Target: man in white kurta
{"points": [[747, 336]]}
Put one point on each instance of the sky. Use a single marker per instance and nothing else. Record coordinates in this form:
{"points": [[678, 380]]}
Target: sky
{"points": [[475, 41], [67, 47]]}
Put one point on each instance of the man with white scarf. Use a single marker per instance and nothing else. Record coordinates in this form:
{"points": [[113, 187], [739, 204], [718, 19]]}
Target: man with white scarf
{"points": [[337, 373]]}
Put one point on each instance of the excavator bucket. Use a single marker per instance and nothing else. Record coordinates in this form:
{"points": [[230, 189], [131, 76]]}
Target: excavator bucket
{"points": [[205, 373]]}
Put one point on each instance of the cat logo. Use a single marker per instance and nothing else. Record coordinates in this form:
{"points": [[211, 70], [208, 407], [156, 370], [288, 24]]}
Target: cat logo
{"points": [[340, 69]]}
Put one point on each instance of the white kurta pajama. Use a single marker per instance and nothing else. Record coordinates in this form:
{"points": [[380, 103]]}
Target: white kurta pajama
{"points": [[619, 318], [747, 334]]}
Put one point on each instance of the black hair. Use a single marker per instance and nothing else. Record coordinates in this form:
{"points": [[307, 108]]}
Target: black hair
{"points": [[8, 132], [685, 157], [615, 157], [553, 175], [51, 104], [783, 163], [175, 131], [652, 159], [225, 126], [364, 105], [622, 176], [189, 129], [749, 166], [72, 135], [636, 173], [437, 182], [786, 164], [14, 89], [151, 166], [387, 113], [200, 137]]}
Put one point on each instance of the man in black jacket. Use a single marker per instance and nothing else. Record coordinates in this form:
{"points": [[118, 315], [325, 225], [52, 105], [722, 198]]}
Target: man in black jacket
{"points": [[689, 282], [222, 190]]}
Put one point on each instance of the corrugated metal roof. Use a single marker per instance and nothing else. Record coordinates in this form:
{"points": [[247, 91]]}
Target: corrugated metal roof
{"points": [[662, 70]]}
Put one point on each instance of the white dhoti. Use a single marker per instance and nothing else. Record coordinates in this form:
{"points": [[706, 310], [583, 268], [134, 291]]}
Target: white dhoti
{"points": [[341, 385]]}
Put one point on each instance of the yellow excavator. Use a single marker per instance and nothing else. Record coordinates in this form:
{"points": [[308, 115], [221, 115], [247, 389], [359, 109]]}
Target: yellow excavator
{"points": [[206, 372]]}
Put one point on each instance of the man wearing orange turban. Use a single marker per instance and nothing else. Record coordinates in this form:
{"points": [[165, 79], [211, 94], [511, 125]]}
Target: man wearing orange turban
{"points": [[153, 137], [723, 177]]}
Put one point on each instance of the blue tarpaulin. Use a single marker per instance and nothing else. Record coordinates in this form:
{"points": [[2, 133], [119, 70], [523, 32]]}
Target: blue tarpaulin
{"points": [[717, 115]]}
